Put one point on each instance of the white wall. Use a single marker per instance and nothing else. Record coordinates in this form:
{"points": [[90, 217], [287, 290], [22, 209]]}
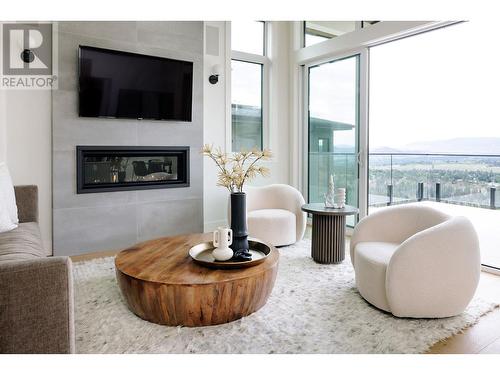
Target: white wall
{"points": [[28, 124], [279, 112], [217, 117]]}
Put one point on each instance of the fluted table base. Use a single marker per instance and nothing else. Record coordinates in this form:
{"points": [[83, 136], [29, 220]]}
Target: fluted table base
{"points": [[328, 238], [328, 231]]}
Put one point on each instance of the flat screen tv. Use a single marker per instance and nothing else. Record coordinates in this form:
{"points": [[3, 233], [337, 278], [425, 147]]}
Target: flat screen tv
{"points": [[115, 84]]}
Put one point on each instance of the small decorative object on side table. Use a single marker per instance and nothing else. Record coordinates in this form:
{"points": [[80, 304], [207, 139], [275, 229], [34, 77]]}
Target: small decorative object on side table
{"points": [[339, 198], [330, 195], [328, 231], [234, 171]]}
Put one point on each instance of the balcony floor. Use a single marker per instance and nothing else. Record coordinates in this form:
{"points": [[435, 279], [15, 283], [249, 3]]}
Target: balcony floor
{"points": [[485, 221]]}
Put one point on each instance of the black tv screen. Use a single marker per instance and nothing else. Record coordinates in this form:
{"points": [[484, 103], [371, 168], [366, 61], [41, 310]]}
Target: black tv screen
{"points": [[118, 84]]}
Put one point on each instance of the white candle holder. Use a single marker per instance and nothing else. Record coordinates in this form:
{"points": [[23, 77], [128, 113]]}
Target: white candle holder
{"points": [[339, 198]]}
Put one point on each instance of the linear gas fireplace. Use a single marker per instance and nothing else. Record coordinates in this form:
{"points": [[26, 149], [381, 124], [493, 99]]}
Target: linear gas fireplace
{"points": [[114, 168]]}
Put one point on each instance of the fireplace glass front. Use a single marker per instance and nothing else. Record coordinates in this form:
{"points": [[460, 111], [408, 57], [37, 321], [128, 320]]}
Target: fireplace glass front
{"points": [[114, 168]]}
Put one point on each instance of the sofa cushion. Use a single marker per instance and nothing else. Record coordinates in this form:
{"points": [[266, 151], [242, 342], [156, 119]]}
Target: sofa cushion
{"points": [[370, 265], [22, 243], [274, 226]]}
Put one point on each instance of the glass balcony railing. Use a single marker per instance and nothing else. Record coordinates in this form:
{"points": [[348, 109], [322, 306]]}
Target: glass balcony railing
{"points": [[342, 166], [472, 180]]}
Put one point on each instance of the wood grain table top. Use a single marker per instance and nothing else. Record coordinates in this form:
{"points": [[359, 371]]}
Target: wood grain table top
{"points": [[167, 261]]}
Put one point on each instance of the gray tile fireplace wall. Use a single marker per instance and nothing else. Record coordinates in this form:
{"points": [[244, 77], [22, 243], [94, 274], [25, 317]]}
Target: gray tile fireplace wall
{"points": [[114, 220]]}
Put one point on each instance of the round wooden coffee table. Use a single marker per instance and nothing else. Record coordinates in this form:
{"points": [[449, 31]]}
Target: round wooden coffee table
{"points": [[328, 231], [161, 284]]}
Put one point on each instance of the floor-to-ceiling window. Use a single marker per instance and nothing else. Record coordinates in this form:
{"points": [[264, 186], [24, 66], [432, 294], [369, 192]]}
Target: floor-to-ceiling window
{"points": [[248, 89], [433, 135], [333, 122], [431, 118]]}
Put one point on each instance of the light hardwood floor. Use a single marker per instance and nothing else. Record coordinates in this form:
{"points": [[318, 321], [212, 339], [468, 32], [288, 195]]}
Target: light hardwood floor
{"points": [[483, 337]]}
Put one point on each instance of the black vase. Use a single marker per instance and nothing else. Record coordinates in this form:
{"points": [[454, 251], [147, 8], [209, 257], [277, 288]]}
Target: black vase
{"points": [[239, 226], [121, 176]]}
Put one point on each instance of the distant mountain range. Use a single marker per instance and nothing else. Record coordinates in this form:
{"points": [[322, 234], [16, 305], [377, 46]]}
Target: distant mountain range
{"points": [[477, 145]]}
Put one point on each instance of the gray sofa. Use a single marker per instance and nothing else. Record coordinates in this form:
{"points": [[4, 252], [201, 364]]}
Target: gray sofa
{"points": [[36, 292]]}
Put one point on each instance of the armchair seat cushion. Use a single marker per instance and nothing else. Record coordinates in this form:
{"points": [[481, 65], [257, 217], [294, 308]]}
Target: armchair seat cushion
{"points": [[272, 225], [371, 261], [274, 214], [22, 243]]}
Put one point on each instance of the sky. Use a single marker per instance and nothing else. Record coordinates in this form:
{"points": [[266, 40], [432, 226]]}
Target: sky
{"points": [[438, 85], [247, 36], [332, 95], [246, 83]]}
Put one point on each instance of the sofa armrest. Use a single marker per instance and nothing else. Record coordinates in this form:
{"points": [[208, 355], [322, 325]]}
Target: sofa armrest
{"points": [[36, 306], [27, 202]]}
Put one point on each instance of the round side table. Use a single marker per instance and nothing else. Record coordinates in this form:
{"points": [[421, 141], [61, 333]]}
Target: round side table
{"points": [[328, 231]]}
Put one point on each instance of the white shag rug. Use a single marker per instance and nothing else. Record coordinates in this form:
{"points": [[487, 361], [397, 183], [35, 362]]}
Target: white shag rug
{"points": [[313, 308]]}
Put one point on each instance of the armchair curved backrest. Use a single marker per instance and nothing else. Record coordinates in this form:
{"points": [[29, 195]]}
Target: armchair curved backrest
{"points": [[395, 224], [278, 196], [443, 260]]}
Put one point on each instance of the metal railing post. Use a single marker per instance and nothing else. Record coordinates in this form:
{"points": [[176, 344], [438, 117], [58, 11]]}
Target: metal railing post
{"points": [[492, 197], [420, 191], [438, 192], [389, 194]]}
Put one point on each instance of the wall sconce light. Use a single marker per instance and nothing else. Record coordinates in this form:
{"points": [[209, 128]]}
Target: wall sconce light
{"points": [[214, 77]]}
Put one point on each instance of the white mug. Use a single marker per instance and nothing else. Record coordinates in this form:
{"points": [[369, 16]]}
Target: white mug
{"points": [[223, 237]]}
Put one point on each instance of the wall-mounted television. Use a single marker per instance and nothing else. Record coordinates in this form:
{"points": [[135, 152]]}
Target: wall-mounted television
{"points": [[115, 84]]}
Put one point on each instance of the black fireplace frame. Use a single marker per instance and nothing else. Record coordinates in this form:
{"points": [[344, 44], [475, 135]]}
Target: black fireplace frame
{"points": [[82, 151]]}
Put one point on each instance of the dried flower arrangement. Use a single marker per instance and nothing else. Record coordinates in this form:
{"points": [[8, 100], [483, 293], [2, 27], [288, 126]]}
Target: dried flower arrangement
{"points": [[239, 168]]}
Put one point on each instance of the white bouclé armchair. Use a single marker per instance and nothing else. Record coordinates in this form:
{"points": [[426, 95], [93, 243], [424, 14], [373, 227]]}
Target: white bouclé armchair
{"points": [[415, 261], [274, 214]]}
